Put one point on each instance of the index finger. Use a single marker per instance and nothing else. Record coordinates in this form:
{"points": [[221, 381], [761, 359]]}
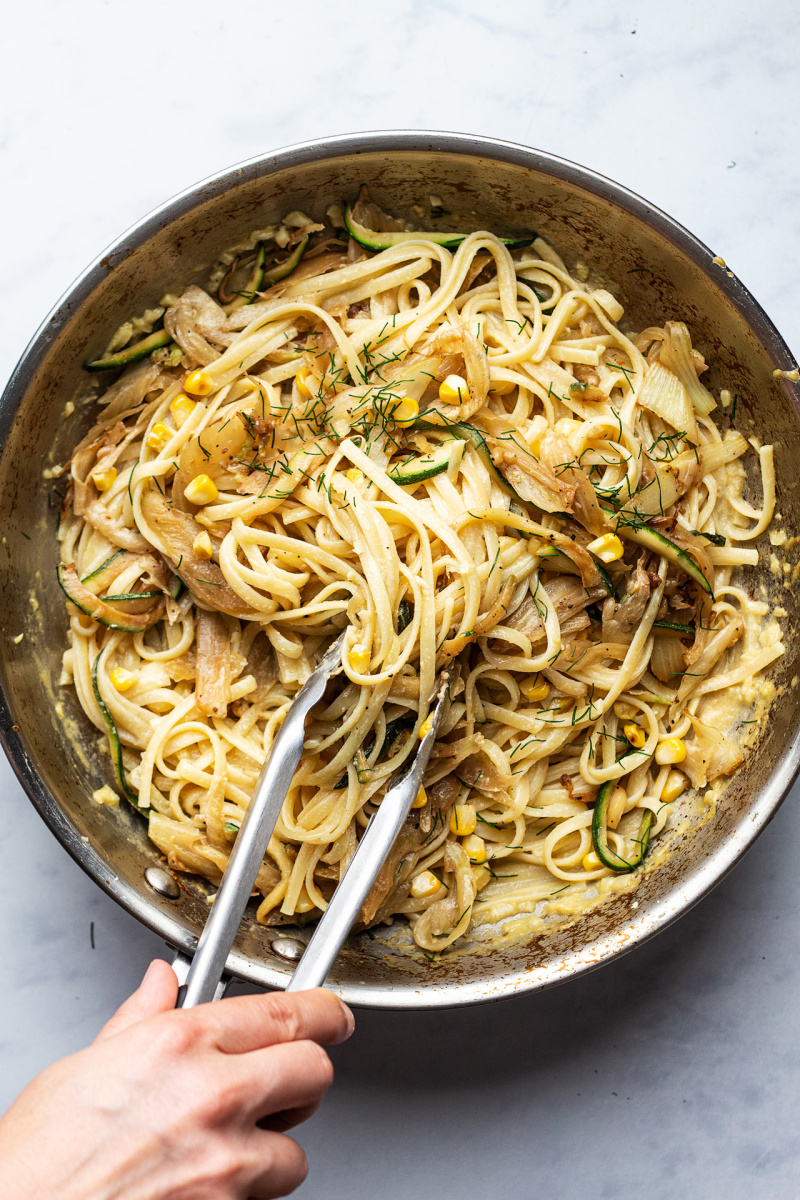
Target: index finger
{"points": [[244, 1023]]}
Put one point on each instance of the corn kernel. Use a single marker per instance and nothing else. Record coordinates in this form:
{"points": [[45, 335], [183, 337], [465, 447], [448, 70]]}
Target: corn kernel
{"points": [[536, 431], [463, 819], [616, 807], [360, 658], [201, 490], [482, 875], [535, 689], [475, 848], [421, 799], [182, 408], [354, 475], [590, 862], [198, 383], [202, 545], [635, 734], [608, 548], [425, 884], [425, 728], [158, 436], [123, 680], [453, 390], [566, 426], [306, 383], [625, 711], [671, 750], [675, 786], [304, 903], [405, 412], [103, 480]]}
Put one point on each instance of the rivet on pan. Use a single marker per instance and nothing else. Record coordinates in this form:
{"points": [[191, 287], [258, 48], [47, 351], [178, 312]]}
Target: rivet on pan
{"points": [[288, 948], [163, 883]]}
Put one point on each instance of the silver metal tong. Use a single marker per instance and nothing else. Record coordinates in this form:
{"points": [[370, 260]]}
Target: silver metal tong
{"points": [[204, 977]]}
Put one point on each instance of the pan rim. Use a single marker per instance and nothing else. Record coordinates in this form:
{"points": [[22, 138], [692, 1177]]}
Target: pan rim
{"points": [[428, 995]]}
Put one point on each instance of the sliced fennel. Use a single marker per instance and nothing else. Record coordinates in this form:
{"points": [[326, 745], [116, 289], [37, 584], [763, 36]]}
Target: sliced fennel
{"points": [[663, 393], [446, 457], [676, 354]]}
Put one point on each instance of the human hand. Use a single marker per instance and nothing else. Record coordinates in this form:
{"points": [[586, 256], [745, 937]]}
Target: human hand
{"points": [[186, 1104]]}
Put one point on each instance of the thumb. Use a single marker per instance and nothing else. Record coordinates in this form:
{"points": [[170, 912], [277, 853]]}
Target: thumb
{"points": [[156, 993]]}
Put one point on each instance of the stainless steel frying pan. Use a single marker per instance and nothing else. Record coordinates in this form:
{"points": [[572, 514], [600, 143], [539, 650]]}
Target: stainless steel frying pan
{"points": [[657, 270]]}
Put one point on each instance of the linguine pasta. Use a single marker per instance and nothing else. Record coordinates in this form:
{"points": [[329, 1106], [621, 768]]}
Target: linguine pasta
{"points": [[457, 455]]}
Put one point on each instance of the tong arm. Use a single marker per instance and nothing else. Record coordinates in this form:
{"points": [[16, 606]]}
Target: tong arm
{"points": [[376, 842], [251, 843]]}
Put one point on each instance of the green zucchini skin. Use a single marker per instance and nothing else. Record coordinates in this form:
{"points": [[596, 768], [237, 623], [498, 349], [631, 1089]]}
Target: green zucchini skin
{"points": [[130, 354], [261, 279], [103, 566], [284, 269], [130, 596], [608, 857], [543, 299], [248, 293], [130, 623], [563, 563], [643, 535], [223, 295], [424, 466], [716, 539], [470, 434], [114, 742], [373, 239], [175, 587], [605, 578], [404, 615], [257, 277]]}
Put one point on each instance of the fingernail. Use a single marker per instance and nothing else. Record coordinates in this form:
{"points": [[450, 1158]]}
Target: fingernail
{"points": [[349, 1018], [150, 969]]}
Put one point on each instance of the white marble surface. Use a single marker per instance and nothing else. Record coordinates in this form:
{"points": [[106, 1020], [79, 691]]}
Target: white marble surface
{"points": [[675, 1071]]}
